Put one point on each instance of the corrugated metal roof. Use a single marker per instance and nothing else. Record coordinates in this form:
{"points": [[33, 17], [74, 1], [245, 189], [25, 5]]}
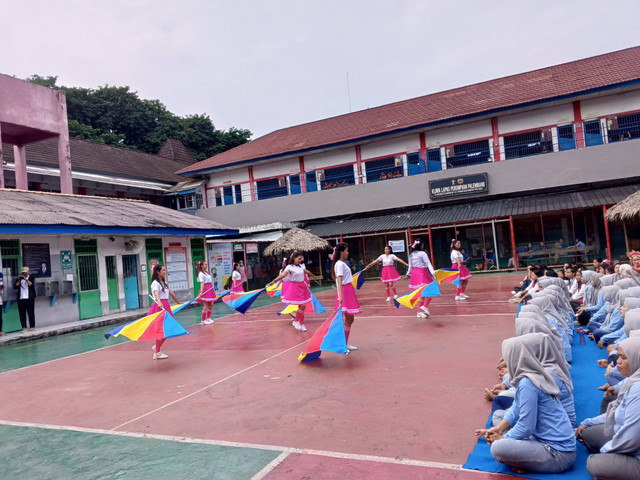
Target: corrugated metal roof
{"points": [[476, 211]]}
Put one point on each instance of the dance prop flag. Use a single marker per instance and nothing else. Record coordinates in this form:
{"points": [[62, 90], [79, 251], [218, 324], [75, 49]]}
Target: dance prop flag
{"points": [[358, 280], [221, 294], [314, 306], [411, 299], [448, 275], [156, 326], [329, 337], [274, 290], [241, 302]]}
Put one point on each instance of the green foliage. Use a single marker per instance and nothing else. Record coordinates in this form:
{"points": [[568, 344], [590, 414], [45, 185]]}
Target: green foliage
{"points": [[117, 116]]}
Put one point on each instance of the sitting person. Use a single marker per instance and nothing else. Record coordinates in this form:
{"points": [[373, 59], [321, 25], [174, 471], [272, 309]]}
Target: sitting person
{"points": [[533, 287], [614, 437], [489, 259]]}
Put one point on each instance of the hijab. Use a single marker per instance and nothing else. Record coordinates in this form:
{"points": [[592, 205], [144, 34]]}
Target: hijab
{"points": [[596, 285], [607, 280], [544, 302], [552, 358], [632, 321], [634, 291], [530, 322], [626, 283], [561, 301], [609, 293], [627, 273], [631, 347], [522, 363]]}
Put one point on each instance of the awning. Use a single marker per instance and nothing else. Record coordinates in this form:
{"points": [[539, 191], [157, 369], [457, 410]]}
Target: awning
{"points": [[186, 187], [476, 211], [257, 237]]}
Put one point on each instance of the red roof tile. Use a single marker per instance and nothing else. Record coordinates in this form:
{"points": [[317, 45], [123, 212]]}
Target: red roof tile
{"points": [[175, 150], [565, 79]]}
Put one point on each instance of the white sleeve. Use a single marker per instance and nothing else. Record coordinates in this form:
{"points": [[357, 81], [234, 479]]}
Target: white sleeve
{"points": [[380, 258], [429, 266]]}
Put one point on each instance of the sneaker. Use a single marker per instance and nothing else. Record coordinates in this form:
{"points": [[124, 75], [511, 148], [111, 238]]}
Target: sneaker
{"points": [[2, 334], [303, 328], [32, 329], [388, 299], [208, 321], [296, 325], [352, 348], [464, 295], [513, 292], [460, 297], [395, 296], [421, 315], [425, 310], [23, 330], [160, 356]]}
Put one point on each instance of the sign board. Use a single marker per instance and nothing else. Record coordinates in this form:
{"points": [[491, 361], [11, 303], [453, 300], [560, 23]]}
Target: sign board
{"points": [[396, 245], [238, 247], [462, 185], [36, 257], [176, 265], [251, 248], [66, 260], [220, 256]]}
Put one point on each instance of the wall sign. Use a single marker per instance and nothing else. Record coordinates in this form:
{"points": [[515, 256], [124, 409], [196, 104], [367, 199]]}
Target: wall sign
{"points": [[238, 247], [220, 257], [36, 257], [66, 262], [176, 265], [396, 245], [462, 185], [251, 248]]}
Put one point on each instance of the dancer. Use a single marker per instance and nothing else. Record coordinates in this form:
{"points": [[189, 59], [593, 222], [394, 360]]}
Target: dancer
{"points": [[294, 288], [345, 294], [160, 292], [236, 279], [457, 263], [421, 273], [389, 273], [206, 295]]}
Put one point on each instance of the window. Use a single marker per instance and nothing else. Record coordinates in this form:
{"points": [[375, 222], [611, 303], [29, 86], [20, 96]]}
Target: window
{"points": [[227, 192], [593, 133], [566, 139], [238, 191], [415, 164], [338, 177], [271, 188], [623, 128], [185, 201], [434, 160], [294, 182], [470, 153], [10, 250], [312, 184], [529, 143], [218, 195], [383, 169]]}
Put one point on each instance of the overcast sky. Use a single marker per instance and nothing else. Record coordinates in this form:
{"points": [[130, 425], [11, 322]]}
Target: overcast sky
{"points": [[266, 65]]}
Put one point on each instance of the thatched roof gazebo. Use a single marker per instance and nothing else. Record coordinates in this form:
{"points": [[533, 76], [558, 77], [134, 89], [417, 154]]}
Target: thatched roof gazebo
{"points": [[626, 210], [297, 239]]}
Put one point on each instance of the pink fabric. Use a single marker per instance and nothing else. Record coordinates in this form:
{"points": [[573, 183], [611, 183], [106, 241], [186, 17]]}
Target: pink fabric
{"points": [[350, 303], [347, 331], [386, 289], [390, 274], [208, 294], [419, 278], [458, 291], [464, 271], [155, 308], [295, 293], [236, 287], [300, 317], [424, 301]]}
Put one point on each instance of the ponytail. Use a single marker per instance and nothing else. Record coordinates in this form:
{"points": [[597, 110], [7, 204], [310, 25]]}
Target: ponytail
{"points": [[335, 256]]}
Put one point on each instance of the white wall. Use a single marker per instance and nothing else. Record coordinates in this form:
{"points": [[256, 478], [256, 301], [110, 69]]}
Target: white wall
{"points": [[328, 159], [601, 106], [458, 133], [218, 179], [406, 143], [558, 114], [290, 166]]}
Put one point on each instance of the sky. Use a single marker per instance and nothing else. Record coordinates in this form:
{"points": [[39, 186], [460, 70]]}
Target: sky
{"points": [[266, 65]]}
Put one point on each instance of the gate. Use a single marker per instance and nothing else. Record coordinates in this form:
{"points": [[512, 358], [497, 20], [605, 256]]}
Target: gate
{"points": [[130, 271]]}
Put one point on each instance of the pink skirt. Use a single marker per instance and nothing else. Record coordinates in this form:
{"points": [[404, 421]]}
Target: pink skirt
{"points": [[464, 271], [419, 278], [389, 274], [350, 303], [155, 308], [208, 294], [295, 293], [236, 287], [306, 280]]}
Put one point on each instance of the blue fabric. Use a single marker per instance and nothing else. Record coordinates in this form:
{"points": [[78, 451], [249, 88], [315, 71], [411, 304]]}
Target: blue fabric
{"points": [[335, 340], [587, 377]]}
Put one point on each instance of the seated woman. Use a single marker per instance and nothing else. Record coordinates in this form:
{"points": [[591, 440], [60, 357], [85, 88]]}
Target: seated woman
{"points": [[536, 433], [609, 295], [614, 437], [559, 336]]}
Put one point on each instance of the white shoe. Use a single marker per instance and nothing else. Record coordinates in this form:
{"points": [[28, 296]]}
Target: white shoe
{"points": [[513, 292], [208, 321], [388, 299], [296, 325], [464, 295], [395, 296], [352, 348], [160, 356], [421, 315], [303, 328], [425, 310], [460, 297]]}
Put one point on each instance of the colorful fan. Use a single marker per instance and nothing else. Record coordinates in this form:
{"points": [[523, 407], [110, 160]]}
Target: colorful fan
{"points": [[156, 326], [358, 280], [314, 306], [448, 275], [274, 290], [242, 301], [330, 337], [411, 299]]}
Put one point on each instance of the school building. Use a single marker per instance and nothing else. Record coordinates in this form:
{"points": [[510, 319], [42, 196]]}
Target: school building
{"points": [[519, 168]]}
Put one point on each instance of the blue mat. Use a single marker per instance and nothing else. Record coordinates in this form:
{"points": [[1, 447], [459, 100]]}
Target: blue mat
{"points": [[587, 377]]}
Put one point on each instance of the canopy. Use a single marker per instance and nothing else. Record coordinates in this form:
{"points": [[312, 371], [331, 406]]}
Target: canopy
{"points": [[296, 239]]}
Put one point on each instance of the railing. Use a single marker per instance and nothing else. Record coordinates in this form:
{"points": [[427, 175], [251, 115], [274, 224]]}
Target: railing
{"points": [[468, 159]]}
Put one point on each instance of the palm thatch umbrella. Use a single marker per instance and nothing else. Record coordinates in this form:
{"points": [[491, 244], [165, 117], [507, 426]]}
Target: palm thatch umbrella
{"points": [[627, 209], [297, 239]]}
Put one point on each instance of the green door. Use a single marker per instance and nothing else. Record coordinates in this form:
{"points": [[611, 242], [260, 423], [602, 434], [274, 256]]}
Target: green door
{"points": [[11, 266], [153, 247], [112, 282], [89, 305], [197, 254]]}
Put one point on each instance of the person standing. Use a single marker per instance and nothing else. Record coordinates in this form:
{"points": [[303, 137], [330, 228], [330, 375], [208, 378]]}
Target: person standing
{"points": [[160, 292], [206, 295], [236, 279], [26, 296], [389, 274], [421, 274], [457, 263], [345, 293]]}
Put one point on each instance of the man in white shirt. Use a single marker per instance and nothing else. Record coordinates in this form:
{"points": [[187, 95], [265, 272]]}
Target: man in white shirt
{"points": [[570, 274], [26, 296]]}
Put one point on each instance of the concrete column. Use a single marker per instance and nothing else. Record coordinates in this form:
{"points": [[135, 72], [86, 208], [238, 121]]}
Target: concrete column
{"points": [[20, 157], [1, 161], [64, 154]]}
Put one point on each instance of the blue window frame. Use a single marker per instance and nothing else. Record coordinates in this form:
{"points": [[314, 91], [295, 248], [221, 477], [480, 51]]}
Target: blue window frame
{"points": [[566, 138], [294, 184], [434, 160], [415, 164], [625, 127], [338, 177], [470, 153], [593, 133], [383, 169], [218, 195], [238, 190], [312, 185], [271, 188], [228, 195], [526, 144]]}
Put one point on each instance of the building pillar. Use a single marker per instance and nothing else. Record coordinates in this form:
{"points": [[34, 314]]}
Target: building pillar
{"points": [[431, 245], [606, 229], [64, 154], [20, 158], [1, 161], [578, 122], [516, 264], [303, 175], [358, 165], [423, 151], [252, 185], [496, 139]]}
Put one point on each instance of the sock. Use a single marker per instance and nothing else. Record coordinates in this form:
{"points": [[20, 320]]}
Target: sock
{"points": [[427, 301], [300, 317], [347, 330], [209, 312], [421, 302], [159, 344], [388, 291], [458, 291], [394, 291], [464, 288], [204, 314]]}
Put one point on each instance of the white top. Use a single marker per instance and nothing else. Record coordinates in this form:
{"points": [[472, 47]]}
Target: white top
{"points": [[156, 287], [420, 259], [235, 276], [573, 286], [387, 261], [456, 257], [24, 289], [204, 277], [296, 274], [341, 270]]}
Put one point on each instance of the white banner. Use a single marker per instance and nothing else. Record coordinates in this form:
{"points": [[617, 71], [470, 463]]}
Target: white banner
{"points": [[396, 245], [220, 256]]}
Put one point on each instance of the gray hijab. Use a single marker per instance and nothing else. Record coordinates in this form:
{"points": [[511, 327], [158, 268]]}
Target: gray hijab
{"points": [[545, 304], [626, 283], [530, 322], [609, 293], [522, 363], [607, 280], [562, 301], [632, 321], [631, 348], [551, 357], [627, 273], [634, 291]]}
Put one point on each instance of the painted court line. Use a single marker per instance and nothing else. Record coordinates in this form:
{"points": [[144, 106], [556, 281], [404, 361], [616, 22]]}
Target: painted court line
{"points": [[270, 466], [257, 446], [211, 385]]}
